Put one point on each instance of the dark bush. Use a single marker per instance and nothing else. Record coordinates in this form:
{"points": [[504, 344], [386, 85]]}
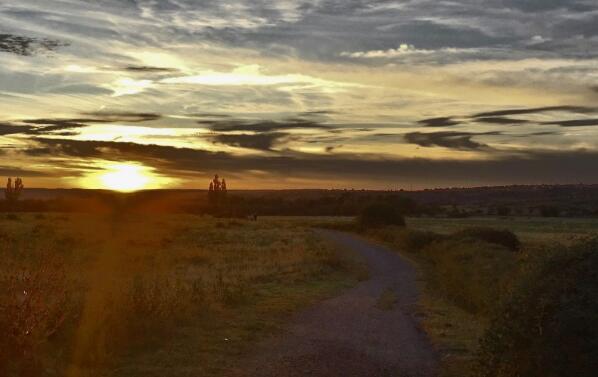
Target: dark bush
{"points": [[550, 211], [379, 215], [416, 240], [504, 238], [548, 326]]}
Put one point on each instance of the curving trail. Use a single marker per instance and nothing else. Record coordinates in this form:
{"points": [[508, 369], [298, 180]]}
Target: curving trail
{"points": [[369, 330]]}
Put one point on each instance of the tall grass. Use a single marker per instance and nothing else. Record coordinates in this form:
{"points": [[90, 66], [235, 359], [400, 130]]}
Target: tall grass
{"points": [[81, 293]]}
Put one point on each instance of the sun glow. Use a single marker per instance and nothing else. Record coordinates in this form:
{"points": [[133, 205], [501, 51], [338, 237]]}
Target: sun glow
{"points": [[125, 177]]}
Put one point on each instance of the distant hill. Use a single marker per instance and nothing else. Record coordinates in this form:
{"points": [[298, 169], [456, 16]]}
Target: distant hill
{"points": [[530, 200]]}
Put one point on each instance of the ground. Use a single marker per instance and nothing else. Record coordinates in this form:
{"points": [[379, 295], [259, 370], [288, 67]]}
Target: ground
{"points": [[181, 295]]}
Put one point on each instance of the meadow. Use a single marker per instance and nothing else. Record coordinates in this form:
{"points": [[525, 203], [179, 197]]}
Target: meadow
{"points": [[505, 296], [186, 295], [159, 295]]}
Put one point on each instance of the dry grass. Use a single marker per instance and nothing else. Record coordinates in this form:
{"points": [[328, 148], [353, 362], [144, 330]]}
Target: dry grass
{"points": [[464, 281], [161, 296]]}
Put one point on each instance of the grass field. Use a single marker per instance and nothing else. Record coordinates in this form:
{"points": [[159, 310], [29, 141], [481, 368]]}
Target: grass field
{"points": [[529, 229], [466, 281], [170, 295]]}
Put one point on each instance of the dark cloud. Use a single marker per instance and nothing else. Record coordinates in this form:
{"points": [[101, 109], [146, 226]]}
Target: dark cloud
{"points": [[438, 122], [106, 116], [531, 167], [10, 171], [11, 129], [575, 123], [501, 120], [262, 126], [97, 117], [149, 69], [533, 6], [259, 141], [534, 110], [27, 46], [452, 140]]}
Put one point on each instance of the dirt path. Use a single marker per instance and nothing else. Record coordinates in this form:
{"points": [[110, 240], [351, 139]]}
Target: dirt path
{"points": [[367, 331]]}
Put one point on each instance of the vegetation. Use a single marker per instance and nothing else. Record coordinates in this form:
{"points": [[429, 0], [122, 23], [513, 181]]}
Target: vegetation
{"points": [[547, 327], [495, 313], [500, 237], [167, 295], [379, 215]]}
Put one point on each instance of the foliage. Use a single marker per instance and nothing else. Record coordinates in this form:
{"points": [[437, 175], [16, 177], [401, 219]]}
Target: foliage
{"points": [[379, 215], [548, 327], [471, 273], [405, 239], [33, 307], [103, 294], [502, 237]]}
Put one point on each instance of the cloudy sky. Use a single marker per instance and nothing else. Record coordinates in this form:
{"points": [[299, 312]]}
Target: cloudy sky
{"points": [[280, 93]]}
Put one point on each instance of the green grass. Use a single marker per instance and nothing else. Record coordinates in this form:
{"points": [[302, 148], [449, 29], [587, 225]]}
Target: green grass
{"points": [[536, 229]]}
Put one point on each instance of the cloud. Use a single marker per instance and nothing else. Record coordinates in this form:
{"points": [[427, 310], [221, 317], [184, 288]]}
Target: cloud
{"points": [[98, 117], [575, 123], [531, 167], [406, 50], [11, 129], [438, 122], [261, 141], [149, 69], [501, 120], [124, 116], [27, 46], [11, 171], [451, 140], [262, 126], [535, 110], [251, 75]]}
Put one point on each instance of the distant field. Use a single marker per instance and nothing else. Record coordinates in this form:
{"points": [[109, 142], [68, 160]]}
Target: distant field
{"points": [[171, 295], [529, 229]]}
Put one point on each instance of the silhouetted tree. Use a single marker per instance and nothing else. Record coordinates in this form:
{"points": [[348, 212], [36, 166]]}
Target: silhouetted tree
{"points": [[217, 191], [13, 192]]}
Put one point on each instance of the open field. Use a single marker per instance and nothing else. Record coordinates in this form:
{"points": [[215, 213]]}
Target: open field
{"points": [[180, 295], [529, 229], [169, 295]]}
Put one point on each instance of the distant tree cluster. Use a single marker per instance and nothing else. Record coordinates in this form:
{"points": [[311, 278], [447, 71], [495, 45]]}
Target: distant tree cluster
{"points": [[217, 191], [13, 191]]}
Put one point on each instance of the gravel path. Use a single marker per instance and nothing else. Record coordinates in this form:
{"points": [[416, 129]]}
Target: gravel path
{"points": [[369, 330]]}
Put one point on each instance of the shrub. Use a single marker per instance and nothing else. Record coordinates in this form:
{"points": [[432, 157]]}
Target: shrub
{"points": [[504, 238], [34, 304], [379, 215], [548, 326], [473, 274], [403, 239]]}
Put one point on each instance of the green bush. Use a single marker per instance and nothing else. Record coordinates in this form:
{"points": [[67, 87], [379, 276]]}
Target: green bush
{"points": [[504, 238], [548, 327], [472, 274], [379, 215]]}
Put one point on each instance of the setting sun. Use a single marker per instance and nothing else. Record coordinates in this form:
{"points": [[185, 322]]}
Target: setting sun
{"points": [[125, 177]]}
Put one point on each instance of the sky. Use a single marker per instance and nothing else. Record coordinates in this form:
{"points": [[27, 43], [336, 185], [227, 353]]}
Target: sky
{"points": [[298, 94]]}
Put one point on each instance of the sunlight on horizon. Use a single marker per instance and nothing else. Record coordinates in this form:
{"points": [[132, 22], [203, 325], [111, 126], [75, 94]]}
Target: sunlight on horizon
{"points": [[125, 177]]}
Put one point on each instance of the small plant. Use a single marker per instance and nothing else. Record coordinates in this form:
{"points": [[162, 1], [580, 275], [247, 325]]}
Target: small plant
{"points": [[379, 215], [504, 238], [33, 307]]}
